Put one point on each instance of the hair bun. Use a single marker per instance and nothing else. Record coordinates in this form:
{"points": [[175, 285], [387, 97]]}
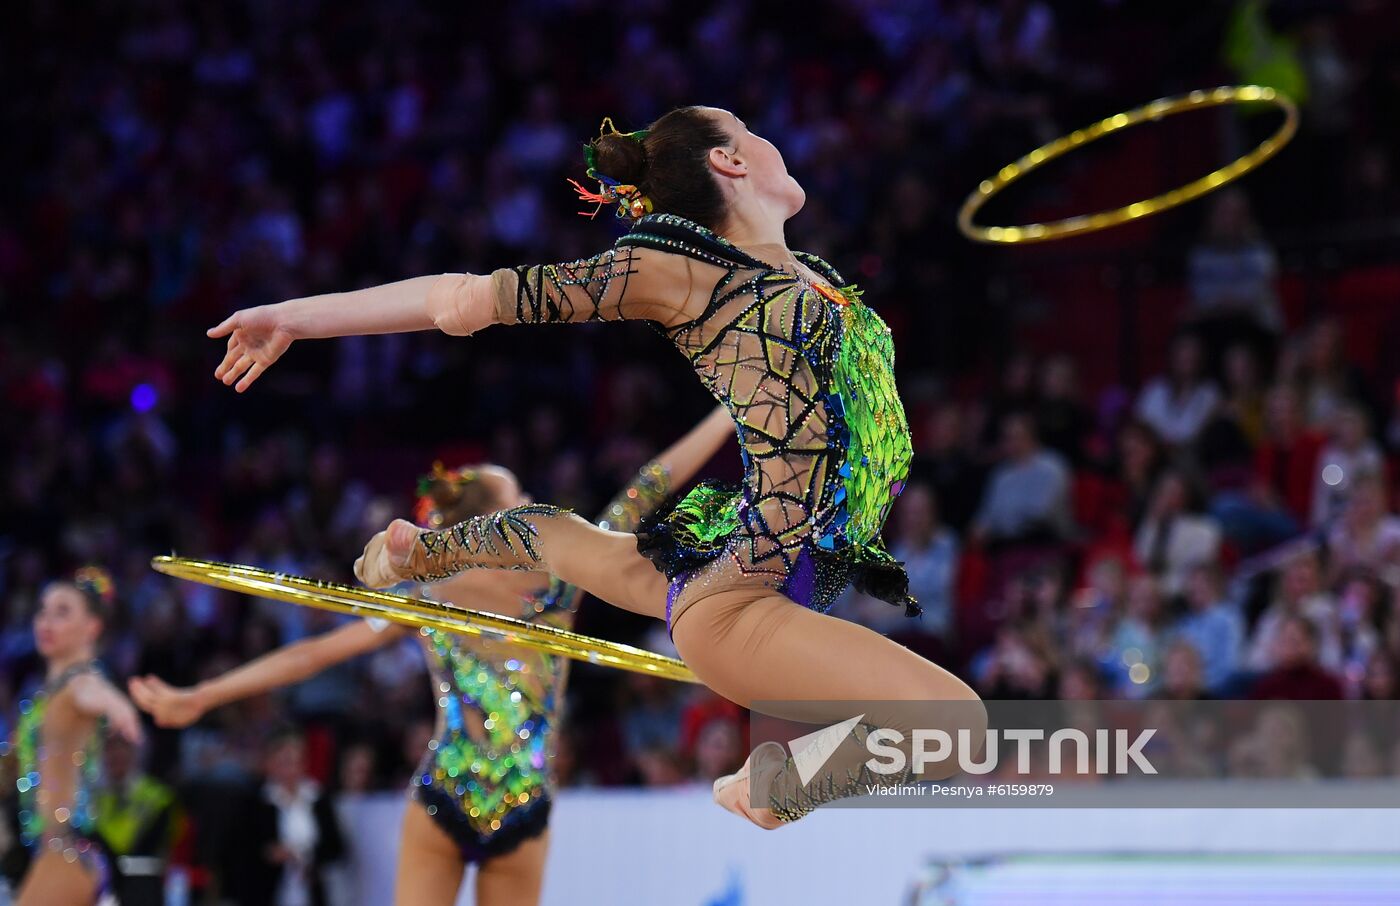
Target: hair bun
{"points": [[448, 496], [620, 157], [96, 581]]}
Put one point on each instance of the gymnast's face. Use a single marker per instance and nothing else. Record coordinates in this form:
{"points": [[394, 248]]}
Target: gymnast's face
{"points": [[64, 626], [755, 159]]}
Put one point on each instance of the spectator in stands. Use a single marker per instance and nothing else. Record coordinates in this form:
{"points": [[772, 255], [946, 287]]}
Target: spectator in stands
{"points": [[1141, 457], [1224, 450], [1135, 647], [929, 552], [1017, 666], [139, 820], [358, 770], [659, 766], [1232, 274], [568, 772], [1363, 609], [1366, 534], [1296, 673], [1287, 459], [1175, 536], [1372, 192], [719, 749], [1081, 680], [702, 708], [539, 141], [1178, 403], [1327, 382], [1027, 498], [1183, 673], [1016, 393], [650, 714], [1094, 608], [1017, 36], [1212, 625], [1278, 497], [1062, 419], [1350, 453], [1244, 392], [326, 512], [1301, 595], [1379, 682], [290, 833], [942, 461]]}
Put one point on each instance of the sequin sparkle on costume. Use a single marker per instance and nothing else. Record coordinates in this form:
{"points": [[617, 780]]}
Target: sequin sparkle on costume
{"points": [[807, 371], [485, 776], [65, 827]]}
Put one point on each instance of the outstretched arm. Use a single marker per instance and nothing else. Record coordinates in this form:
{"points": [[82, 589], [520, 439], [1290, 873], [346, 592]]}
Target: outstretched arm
{"points": [[95, 697], [258, 336], [172, 706], [621, 283]]}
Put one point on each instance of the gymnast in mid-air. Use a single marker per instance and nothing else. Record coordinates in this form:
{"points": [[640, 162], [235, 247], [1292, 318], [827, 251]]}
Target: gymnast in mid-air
{"points": [[742, 575]]}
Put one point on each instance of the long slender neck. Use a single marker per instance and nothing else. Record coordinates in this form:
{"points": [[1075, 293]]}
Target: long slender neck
{"points": [[750, 225], [58, 665]]}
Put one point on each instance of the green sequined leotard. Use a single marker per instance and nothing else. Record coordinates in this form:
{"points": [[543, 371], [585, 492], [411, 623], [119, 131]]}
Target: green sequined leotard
{"points": [[56, 816], [807, 371], [485, 777]]}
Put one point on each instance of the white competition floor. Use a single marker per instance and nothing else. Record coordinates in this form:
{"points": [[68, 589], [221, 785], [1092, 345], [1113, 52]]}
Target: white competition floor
{"points": [[676, 848]]}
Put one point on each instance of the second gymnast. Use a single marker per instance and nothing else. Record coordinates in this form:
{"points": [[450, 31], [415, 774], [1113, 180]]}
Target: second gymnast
{"points": [[482, 794]]}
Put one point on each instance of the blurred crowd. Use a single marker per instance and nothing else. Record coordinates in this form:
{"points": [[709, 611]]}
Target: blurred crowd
{"points": [[1223, 528]]}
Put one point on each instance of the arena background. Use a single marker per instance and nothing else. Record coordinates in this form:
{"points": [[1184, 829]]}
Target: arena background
{"points": [[166, 163]]}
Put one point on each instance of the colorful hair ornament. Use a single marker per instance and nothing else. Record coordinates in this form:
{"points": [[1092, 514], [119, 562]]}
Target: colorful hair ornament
{"points": [[96, 581], [425, 510], [629, 199]]}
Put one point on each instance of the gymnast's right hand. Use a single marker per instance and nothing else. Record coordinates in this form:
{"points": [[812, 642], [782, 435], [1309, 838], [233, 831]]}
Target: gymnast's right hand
{"points": [[171, 706], [257, 337], [385, 562]]}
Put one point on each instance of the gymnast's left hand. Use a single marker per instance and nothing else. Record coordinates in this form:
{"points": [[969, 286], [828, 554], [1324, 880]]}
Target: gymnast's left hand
{"points": [[170, 706], [385, 562], [257, 337], [123, 720]]}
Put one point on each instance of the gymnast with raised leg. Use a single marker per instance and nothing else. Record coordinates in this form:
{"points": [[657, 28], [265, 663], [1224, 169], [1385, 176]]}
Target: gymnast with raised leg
{"points": [[742, 576], [483, 792], [58, 746]]}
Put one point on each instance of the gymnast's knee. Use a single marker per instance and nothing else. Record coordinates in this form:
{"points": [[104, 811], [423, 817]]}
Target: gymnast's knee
{"points": [[944, 703]]}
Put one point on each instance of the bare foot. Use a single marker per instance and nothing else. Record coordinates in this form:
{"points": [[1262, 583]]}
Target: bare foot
{"points": [[385, 561], [732, 791]]}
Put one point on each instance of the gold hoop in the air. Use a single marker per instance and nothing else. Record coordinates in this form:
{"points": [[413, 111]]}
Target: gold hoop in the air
{"points": [[366, 602], [1088, 223]]}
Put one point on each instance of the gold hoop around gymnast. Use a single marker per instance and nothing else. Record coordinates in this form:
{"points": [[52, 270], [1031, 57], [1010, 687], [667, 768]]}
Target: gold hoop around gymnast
{"points": [[1089, 223], [364, 602]]}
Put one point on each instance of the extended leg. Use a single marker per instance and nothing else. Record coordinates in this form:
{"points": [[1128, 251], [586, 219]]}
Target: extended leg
{"points": [[535, 537], [768, 651]]}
